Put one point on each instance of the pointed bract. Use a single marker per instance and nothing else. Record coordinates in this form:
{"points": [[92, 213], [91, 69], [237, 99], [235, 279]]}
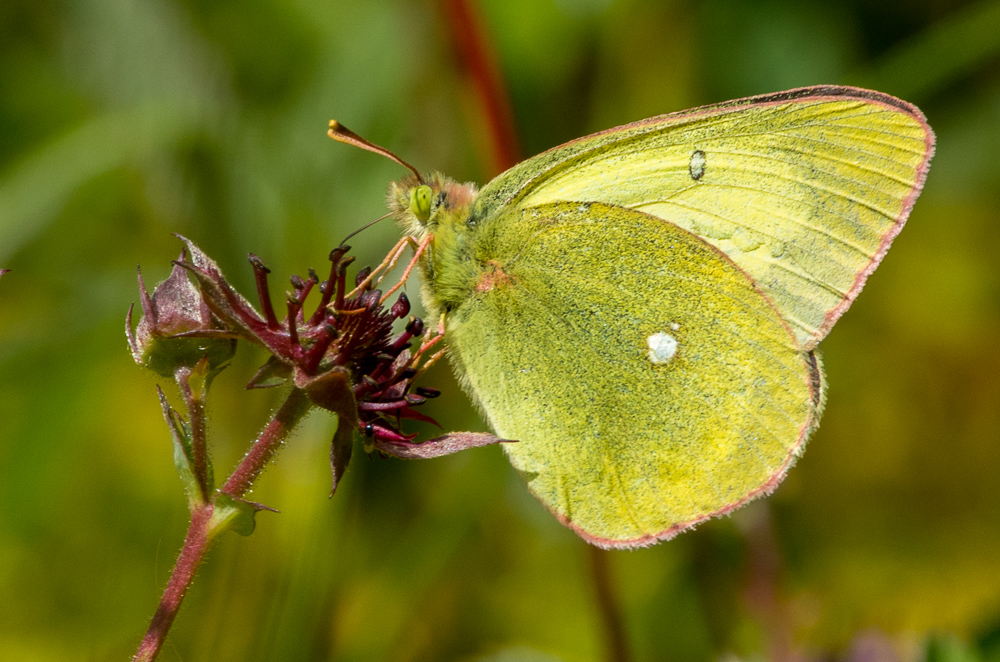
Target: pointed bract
{"points": [[443, 445]]}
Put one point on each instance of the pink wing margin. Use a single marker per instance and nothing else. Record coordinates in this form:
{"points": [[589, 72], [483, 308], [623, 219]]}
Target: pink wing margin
{"points": [[816, 389], [561, 154]]}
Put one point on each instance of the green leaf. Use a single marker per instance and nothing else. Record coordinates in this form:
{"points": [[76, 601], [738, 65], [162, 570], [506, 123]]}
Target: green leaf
{"points": [[183, 453], [272, 373], [232, 514]]}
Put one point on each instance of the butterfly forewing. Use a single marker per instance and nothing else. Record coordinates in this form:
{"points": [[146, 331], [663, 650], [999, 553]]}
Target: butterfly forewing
{"points": [[803, 190]]}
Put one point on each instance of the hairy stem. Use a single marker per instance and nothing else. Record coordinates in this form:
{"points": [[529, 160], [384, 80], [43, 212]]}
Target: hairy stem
{"points": [[194, 402], [271, 437], [200, 535], [195, 545]]}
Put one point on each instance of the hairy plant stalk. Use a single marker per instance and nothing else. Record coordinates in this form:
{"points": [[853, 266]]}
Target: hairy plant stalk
{"points": [[194, 402], [202, 532], [195, 545], [296, 405]]}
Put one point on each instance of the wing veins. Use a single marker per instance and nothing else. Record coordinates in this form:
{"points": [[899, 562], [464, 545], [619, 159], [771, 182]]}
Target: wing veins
{"points": [[801, 224]]}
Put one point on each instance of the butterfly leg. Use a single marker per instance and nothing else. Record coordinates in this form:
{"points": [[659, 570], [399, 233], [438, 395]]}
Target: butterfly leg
{"points": [[388, 263], [417, 252]]}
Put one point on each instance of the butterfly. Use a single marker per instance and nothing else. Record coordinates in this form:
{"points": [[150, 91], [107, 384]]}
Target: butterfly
{"points": [[640, 308]]}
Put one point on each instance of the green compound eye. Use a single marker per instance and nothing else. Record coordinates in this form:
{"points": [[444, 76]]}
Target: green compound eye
{"points": [[420, 202]]}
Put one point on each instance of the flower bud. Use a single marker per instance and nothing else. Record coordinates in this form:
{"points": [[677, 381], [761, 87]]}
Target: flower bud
{"points": [[177, 329]]}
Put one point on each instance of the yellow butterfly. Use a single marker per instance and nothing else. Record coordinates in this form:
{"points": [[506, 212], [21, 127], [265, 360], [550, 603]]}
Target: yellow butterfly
{"points": [[640, 308]]}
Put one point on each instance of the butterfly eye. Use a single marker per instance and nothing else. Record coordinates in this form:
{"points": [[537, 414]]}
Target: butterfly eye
{"points": [[420, 202]]}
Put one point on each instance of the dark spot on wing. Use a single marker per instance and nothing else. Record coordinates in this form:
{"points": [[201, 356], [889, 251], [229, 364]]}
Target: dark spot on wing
{"points": [[815, 378]]}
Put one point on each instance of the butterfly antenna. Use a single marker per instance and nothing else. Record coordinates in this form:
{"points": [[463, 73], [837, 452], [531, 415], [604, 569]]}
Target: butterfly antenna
{"points": [[342, 134], [365, 227]]}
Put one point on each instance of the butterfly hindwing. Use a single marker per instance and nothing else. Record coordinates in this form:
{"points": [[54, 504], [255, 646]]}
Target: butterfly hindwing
{"points": [[649, 382]]}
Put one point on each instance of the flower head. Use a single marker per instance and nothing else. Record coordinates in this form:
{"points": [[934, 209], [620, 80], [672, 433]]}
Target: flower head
{"points": [[345, 355]]}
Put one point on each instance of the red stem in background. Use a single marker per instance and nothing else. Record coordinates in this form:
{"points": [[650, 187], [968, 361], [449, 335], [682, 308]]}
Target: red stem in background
{"points": [[762, 592], [616, 642], [476, 55]]}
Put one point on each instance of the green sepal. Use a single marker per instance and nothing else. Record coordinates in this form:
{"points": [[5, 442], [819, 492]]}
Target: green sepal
{"points": [[232, 514], [330, 390], [180, 432], [272, 373], [164, 355], [340, 450]]}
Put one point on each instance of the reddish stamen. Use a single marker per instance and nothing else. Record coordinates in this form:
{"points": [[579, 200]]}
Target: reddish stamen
{"points": [[260, 273]]}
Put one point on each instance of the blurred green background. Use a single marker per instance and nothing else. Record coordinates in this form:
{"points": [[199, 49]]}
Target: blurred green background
{"points": [[122, 121]]}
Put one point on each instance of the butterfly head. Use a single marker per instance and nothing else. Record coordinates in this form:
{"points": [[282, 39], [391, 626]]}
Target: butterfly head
{"points": [[423, 206]]}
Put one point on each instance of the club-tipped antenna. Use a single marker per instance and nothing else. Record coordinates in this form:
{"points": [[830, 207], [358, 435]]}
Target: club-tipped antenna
{"points": [[365, 227], [342, 134]]}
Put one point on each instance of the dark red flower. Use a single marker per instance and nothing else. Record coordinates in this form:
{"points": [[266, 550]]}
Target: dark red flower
{"points": [[345, 354]]}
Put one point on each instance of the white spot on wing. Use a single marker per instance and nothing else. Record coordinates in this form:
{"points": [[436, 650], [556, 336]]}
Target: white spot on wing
{"points": [[696, 168], [662, 347]]}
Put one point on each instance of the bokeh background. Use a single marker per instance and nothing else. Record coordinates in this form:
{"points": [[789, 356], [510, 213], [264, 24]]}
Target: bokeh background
{"points": [[122, 121]]}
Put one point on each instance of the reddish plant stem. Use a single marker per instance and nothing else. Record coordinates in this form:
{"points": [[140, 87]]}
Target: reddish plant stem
{"points": [[199, 537], [195, 406], [476, 54], [616, 641], [267, 444], [195, 545]]}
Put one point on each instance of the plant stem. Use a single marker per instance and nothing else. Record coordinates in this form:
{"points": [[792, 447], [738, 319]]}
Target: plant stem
{"points": [[195, 404], [195, 545], [200, 536], [476, 54], [762, 590], [267, 444]]}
